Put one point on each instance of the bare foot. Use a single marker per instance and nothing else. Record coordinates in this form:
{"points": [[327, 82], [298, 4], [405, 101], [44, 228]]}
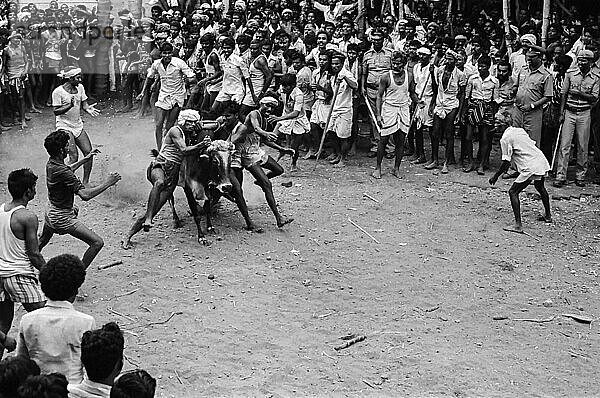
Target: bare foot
{"points": [[309, 155], [546, 219], [254, 228], [376, 174], [396, 173], [23, 125], [514, 228], [341, 163], [431, 166], [294, 168], [126, 244], [331, 157], [284, 222], [445, 169], [35, 110], [480, 171]]}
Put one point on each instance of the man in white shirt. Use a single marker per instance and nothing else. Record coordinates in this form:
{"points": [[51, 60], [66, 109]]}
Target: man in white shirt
{"points": [[343, 82], [51, 336], [235, 76], [520, 150], [173, 73], [334, 10], [102, 357]]}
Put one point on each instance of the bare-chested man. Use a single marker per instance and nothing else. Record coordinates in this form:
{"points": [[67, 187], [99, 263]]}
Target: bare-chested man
{"points": [[250, 156], [163, 172]]}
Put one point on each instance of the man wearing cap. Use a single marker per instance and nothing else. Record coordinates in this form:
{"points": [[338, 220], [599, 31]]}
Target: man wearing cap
{"points": [[517, 59], [376, 62], [173, 73], [533, 87], [163, 171], [579, 93]]}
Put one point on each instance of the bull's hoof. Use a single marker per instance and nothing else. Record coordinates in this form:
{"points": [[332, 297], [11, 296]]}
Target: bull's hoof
{"points": [[204, 242], [211, 230]]}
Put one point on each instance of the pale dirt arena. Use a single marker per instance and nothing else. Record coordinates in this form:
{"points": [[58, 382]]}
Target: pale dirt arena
{"points": [[450, 304]]}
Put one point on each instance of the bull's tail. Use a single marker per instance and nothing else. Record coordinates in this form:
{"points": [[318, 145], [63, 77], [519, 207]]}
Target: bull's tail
{"points": [[153, 153]]}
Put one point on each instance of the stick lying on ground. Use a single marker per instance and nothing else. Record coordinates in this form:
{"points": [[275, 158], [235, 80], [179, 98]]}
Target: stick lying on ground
{"points": [[363, 230], [112, 264], [579, 318], [535, 320], [366, 195], [348, 343]]}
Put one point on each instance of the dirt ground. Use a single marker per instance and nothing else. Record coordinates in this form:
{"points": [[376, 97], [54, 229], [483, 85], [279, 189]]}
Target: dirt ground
{"points": [[425, 296]]}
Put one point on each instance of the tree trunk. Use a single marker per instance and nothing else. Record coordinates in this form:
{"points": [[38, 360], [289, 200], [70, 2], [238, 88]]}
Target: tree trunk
{"points": [[545, 22], [103, 13], [505, 14]]}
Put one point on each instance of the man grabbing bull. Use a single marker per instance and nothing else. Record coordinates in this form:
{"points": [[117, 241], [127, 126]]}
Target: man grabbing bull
{"points": [[163, 171], [250, 156]]}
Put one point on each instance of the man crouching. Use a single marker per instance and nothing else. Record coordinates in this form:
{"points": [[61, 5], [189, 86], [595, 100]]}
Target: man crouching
{"points": [[163, 171]]}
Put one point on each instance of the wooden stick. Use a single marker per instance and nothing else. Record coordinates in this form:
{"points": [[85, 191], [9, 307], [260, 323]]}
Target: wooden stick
{"points": [[545, 21], [363, 230], [177, 375], [505, 12], [531, 236], [556, 146], [109, 309], [366, 195], [367, 383], [327, 355], [112, 264], [166, 320], [348, 343], [125, 294], [535, 320]]}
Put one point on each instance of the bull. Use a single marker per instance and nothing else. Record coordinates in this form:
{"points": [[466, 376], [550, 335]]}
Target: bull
{"points": [[206, 178]]}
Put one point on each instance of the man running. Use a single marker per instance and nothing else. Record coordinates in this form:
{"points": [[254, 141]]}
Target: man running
{"points": [[173, 73], [68, 99], [250, 156], [163, 171], [63, 185], [19, 252]]}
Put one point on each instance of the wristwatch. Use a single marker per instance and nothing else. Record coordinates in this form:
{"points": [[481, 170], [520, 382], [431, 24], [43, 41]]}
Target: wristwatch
{"points": [[532, 106]]}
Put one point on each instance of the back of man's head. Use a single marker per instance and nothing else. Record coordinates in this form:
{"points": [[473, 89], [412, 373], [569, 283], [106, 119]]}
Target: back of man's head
{"points": [[102, 352], [53, 385], [55, 141], [13, 372], [135, 384], [19, 181], [62, 276]]}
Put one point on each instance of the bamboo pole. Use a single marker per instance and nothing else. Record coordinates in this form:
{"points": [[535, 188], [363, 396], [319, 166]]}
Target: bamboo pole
{"points": [[545, 22], [506, 13], [401, 9], [449, 18]]}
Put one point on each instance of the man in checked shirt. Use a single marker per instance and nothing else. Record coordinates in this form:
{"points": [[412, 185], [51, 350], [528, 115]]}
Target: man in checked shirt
{"points": [[481, 95]]}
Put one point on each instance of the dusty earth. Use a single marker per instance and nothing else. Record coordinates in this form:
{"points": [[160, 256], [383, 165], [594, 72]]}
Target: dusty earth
{"points": [[425, 296]]}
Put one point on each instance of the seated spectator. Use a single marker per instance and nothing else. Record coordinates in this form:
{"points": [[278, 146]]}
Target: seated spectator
{"points": [[51, 336], [53, 385], [13, 372], [134, 384], [102, 357]]}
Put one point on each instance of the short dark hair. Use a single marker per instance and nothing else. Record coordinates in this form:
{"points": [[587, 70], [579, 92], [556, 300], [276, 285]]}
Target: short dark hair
{"points": [[102, 351], [352, 47], [134, 384], [55, 141], [230, 108], [485, 60], [19, 181], [288, 79], [228, 41], [53, 385], [243, 39], [506, 64], [166, 48], [208, 38], [62, 276], [13, 372], [298, 55]]}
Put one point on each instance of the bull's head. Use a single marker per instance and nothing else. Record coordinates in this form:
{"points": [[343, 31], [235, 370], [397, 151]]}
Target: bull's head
{"points": [[219, 153]]}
